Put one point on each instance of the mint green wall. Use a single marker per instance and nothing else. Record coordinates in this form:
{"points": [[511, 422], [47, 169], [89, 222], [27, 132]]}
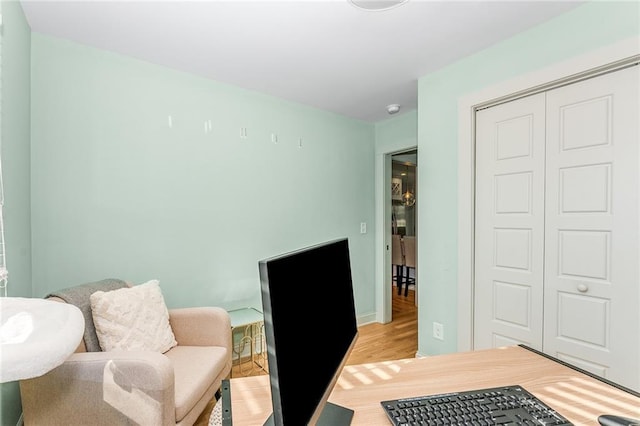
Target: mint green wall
{"points": [[585, 28], [16, 40], [16, 44], [397, 132], [117, 192]]}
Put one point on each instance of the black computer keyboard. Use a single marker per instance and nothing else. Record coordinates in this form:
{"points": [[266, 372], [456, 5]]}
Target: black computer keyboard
{"points": [[506, 405]]}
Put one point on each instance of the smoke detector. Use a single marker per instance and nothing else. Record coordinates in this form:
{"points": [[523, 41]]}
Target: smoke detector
{"points": [[393, 108]]}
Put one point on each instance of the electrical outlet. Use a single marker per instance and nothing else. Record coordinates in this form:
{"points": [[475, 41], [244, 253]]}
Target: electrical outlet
{"points": [[438, 331]]}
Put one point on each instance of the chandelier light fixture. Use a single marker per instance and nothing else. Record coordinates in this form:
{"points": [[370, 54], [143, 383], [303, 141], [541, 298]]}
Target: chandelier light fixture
{"points": [[408, 197]]}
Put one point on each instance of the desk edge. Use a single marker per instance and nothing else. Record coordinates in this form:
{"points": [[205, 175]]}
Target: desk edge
{"points": [[588, 373]]}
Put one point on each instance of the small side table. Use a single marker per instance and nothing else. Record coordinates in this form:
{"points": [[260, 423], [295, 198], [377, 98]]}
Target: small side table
{"points": [[248, 324]]}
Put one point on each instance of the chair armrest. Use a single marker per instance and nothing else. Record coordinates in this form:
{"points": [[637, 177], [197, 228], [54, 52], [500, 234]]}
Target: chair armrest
{"points": [[201, 326], [119, 387]]}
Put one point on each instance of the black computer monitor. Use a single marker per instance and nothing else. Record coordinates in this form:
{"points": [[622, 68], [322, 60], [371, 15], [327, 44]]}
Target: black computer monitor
{"points": [[310, 329]]}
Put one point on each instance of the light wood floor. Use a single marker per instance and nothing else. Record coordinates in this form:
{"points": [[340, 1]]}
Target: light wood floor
{"points": [[376, 342]]}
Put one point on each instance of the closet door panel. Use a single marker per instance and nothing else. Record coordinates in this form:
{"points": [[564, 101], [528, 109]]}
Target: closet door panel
{"points": [[592, 288], [509, 224]]}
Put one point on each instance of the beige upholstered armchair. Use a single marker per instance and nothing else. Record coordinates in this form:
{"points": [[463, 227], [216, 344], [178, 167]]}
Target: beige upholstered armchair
{"points": [[140, 387]]}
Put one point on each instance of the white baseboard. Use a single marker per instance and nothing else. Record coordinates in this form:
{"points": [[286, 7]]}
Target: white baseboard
{"points": [[366, 319]]}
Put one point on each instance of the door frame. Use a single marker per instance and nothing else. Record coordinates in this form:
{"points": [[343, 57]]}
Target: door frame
{"points": [[606, 59], [383, 166]]}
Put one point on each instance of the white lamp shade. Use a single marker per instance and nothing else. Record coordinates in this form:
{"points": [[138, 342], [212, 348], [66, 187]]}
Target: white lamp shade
{"points": [[36, 335]]}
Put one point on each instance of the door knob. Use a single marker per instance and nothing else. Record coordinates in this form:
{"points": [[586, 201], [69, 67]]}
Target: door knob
{"points": [[583, 288]]}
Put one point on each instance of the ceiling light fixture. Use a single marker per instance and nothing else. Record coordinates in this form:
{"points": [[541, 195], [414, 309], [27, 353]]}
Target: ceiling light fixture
{"points": [[408, 198], [377, 5], [393, 108]]}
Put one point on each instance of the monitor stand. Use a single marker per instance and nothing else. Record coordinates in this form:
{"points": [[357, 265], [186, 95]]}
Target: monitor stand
{"points": [[332, 415]]}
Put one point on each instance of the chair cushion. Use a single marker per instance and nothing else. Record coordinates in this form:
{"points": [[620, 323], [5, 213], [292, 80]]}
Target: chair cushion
{"points": [[195, 368], [134, 318]]}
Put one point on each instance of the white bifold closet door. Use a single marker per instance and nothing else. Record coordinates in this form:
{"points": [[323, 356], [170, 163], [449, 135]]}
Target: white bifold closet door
{"points": [[510, 223], [557, 264]]}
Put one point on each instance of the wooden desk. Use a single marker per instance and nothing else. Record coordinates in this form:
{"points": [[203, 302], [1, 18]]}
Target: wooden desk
{"points": [[578, 397]]}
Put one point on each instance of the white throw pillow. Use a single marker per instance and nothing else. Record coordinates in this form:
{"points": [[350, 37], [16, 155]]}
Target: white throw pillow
{"points": [[132, 319]]}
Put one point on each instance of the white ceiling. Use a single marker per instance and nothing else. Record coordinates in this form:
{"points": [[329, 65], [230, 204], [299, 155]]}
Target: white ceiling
{"points": [[324, 53]]}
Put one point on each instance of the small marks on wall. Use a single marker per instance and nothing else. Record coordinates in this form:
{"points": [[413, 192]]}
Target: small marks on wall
{"points": [[207, 126]]}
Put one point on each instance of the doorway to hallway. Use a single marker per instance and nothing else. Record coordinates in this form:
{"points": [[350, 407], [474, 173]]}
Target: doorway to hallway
{"points": [[403, 227]]}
